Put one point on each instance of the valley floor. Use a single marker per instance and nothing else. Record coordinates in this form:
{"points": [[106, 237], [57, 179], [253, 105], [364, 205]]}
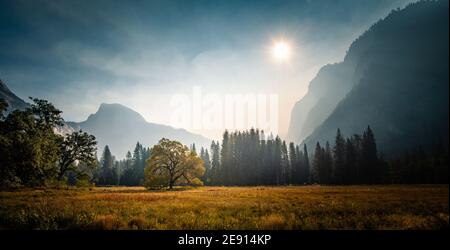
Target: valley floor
{"points": [[296, 207]]}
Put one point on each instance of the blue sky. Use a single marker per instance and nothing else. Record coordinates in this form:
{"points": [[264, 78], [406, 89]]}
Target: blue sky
{"points": [[78, 54]]}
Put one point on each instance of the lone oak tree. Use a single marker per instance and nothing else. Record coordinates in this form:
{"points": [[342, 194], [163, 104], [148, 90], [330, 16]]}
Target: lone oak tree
{"points": [[172, 163]]}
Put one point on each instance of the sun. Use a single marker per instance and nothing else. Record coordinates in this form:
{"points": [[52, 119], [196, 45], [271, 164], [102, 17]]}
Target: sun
{"points": [[281, 51]]}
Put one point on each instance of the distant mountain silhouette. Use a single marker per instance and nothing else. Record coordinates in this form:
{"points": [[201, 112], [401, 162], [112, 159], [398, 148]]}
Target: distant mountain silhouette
{"points": [[394, 78], [115, 125], [13, 101], [120, 128]]}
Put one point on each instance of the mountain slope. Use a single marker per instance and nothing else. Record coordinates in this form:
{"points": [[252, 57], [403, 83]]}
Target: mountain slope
{"points": [[403, 90], [120, 128], [330, 85], [14, 102], [326, 90]]}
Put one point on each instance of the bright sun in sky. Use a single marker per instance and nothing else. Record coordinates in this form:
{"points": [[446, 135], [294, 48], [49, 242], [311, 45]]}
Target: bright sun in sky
{"points": [[281, 51]]}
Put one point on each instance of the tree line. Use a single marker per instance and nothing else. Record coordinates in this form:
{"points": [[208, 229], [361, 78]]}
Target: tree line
{"points": [[126, 172], [249, 158], [352, 160], [32, 154], [419, 165]]}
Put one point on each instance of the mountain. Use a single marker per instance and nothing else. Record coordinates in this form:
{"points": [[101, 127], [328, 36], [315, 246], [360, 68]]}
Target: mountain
{"points": [[120, 128], [394, 78], [14, 102], [115, 125], [330, 85]]}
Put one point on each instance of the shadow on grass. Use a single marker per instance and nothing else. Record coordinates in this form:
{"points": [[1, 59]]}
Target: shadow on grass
{"points": [[141, 189], [174, 189]]}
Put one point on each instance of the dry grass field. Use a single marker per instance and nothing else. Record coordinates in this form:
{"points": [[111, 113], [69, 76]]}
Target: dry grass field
{"points": [[309, 207]]}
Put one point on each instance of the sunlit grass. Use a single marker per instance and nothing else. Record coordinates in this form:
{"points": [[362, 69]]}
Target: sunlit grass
{"points": [[309, 207]]}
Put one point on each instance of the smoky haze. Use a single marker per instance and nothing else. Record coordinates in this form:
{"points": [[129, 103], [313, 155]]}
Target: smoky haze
{"points": [[79, 54]]}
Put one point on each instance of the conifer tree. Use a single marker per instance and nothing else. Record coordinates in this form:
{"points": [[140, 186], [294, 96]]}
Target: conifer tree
{"points": [[318, 164], [277, 161], [350, 162], [371, 173], [127, 177], [339, 165], [225, 159], [327, 164], [285, 167], [306, 165], [107, 168], [215, 163], [293, 162]]}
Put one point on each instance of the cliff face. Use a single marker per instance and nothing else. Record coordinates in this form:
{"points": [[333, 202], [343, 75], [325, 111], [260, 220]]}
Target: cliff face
{"points": [[401, 83], [330, 85]]}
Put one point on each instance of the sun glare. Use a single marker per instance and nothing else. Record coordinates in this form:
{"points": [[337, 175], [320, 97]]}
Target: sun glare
{"points": [[281, 51]]}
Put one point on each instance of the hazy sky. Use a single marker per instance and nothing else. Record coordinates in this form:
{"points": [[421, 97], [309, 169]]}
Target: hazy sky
{"points": [[78, 54]]}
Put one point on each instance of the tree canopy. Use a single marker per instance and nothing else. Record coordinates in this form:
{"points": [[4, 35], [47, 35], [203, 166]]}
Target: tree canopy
{"points": [[31, 154], [171, 163], [78, 146]]}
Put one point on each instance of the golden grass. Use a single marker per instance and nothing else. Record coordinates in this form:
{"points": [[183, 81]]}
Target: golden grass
{"points": [[309, 207]]}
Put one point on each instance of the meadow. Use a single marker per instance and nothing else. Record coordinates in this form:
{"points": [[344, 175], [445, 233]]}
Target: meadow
{"points": [[289, 207]]}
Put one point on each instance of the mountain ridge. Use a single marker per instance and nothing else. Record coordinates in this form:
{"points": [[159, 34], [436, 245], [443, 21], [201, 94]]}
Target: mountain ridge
{"points": [[114, 120], [115, 125]]}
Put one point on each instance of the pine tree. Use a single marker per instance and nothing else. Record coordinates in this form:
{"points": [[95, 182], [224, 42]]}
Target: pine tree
{"points": [[285, 168], [202, 152], [107, 168], [306, 165], [371, 171], [207, 160], [327, 164], [254, 160], [225, 159], [357, 145], [264, 162], [127, 176], [350, 162], [293, 162], [128, 159], [215, 163], [318, 164], [204, 155], [339, 170], [277, 161], [116, 174], [138, 166]]}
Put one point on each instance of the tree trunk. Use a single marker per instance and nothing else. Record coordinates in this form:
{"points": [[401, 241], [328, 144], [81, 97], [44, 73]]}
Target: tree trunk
{"points": [[61, 173], [171, 181]]}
